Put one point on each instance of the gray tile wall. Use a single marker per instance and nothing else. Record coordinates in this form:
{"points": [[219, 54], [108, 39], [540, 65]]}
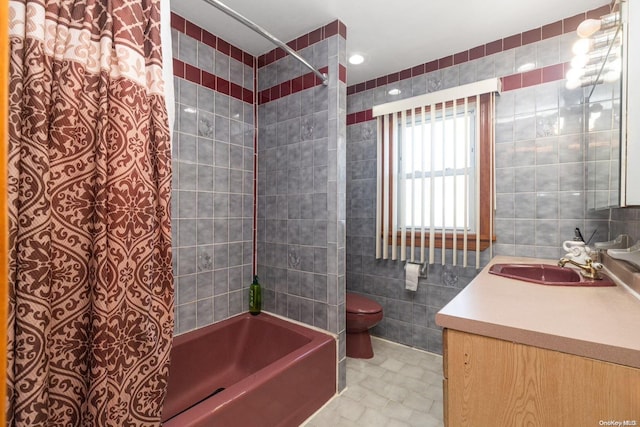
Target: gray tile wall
{"points": [[212, 200], [540, 187], [625, 221], [301, 195]]}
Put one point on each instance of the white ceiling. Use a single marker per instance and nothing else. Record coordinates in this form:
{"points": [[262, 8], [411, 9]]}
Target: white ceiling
{"points": [[392, 36]]}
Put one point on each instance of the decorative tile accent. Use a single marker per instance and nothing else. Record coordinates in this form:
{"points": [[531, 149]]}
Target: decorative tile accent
{"points": [[512, 42], [204, 78], [297, 84], [322, 33]]}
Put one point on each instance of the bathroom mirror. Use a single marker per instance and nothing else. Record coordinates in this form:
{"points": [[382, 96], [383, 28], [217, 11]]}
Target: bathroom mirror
{"points": [[630, 107], [611, 119], [602, 132]]}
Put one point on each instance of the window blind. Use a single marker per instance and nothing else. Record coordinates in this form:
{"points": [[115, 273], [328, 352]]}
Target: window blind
{"points": [[432, 174]]}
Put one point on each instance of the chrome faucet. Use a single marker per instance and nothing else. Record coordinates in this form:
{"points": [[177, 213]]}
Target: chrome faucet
{"points": [[588, 270]]}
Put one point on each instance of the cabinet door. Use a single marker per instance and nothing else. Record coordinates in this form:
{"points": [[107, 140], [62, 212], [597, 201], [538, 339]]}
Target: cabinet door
{"points": [[498, 383]]}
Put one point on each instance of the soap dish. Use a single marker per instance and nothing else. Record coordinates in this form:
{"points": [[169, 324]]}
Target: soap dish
{"points": [[630, 255], [623, 241]]}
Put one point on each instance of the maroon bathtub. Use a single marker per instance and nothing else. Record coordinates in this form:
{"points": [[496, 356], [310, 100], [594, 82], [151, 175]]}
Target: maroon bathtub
{"points": [[249, 371]]}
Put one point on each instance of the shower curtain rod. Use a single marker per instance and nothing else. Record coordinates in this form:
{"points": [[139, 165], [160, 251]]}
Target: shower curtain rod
{"points": [[258, 29]]}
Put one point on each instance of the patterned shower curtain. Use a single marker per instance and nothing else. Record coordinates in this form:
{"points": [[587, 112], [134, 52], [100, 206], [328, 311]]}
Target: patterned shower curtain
{"points": [[91, 286]]}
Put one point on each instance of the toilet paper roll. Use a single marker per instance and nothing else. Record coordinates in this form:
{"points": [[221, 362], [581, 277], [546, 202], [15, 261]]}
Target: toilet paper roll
{"points": [[412, 271]]}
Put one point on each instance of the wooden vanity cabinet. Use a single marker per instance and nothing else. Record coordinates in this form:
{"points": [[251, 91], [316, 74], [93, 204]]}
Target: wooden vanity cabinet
{"points": [[491, 382]]}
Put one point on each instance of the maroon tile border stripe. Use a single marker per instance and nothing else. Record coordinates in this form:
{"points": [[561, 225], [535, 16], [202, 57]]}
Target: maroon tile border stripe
{"points": [[308, 80], [298, 84], [538, 76], [329, 30], [204, 78], [202, 35], [359, 117], [564, 26]]}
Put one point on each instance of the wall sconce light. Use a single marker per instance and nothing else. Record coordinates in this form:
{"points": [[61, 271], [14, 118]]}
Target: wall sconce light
{"points": [[599, 41], [588, 27]]}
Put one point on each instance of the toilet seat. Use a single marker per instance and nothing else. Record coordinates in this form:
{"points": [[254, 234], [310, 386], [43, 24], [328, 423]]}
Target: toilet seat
{"points": [[360, 305]]}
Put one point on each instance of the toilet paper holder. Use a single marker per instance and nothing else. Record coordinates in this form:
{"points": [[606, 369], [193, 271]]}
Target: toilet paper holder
{"points": [[423, 268]]}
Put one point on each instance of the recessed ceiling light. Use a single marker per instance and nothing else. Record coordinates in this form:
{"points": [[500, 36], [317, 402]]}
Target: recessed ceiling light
{"points": [[395, 91], [356, 59]]}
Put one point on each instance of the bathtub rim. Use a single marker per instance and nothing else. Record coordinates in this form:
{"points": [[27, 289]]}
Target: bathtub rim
{"points": [[277, 316]]}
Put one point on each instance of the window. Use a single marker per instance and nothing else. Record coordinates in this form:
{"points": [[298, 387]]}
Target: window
{"points": [[444, 168], [435, 172]]}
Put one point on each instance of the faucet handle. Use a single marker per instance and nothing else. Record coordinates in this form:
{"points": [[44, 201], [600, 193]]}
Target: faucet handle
{"points": [[591, 272], [596, 265]]}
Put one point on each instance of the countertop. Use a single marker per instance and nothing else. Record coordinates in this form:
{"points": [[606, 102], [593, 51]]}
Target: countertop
{"points": [[598, 322]]}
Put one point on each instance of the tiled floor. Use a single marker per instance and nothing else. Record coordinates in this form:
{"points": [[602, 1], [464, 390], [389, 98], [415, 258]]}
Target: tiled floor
{"points": [[400, 386]]}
